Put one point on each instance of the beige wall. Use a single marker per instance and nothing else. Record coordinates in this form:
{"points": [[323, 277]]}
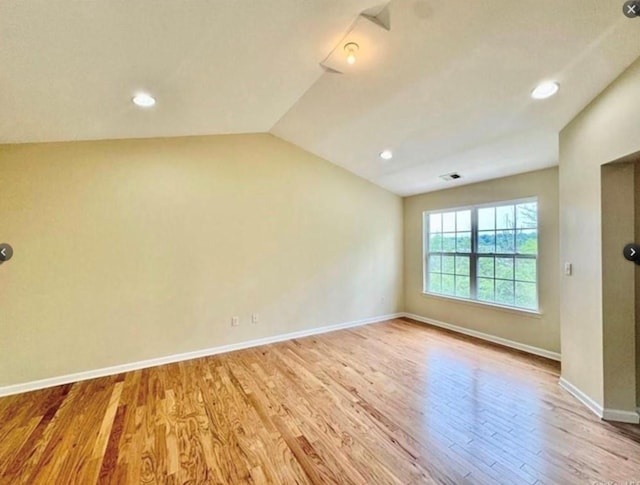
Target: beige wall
{"points": [[637, 277], [538, 331], [618, 286], [134, 249], [606, 130]]}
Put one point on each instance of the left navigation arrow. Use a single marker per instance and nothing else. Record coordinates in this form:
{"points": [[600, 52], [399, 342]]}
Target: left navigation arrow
{"points": [[6, 251]]}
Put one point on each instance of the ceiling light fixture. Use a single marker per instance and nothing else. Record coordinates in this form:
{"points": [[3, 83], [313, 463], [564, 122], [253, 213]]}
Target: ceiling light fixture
{"points": [[143, 100], [386, 155], [545, 90], [351, 48]]}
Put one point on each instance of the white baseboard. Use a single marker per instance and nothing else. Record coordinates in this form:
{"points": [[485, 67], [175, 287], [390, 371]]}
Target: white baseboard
{"points": [[485, 336], [582, 397], [118, 369], [621, 416], [607, 414]]}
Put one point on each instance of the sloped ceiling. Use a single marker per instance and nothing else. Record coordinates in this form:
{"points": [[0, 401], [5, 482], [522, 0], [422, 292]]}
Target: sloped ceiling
{"points": [[446, 87], [68, 68]]}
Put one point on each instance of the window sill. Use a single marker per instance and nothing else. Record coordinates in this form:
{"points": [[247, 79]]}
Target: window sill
{"points": [[489, 306]]}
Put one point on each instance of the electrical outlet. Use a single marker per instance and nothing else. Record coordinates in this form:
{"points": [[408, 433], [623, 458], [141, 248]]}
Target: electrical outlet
{"points": [[568, 269], [254, 318], [235, 321]]}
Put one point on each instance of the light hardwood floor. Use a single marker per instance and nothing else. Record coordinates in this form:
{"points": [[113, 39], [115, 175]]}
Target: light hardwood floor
{"points": [[396, 402]]}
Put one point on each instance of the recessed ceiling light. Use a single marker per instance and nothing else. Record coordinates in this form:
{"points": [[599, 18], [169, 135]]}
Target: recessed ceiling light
{"points": [[545, 90], [143, 100], [386, 155]]}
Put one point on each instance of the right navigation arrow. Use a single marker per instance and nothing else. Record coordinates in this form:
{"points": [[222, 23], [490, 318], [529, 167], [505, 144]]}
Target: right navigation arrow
{"points": [[632, 253]]}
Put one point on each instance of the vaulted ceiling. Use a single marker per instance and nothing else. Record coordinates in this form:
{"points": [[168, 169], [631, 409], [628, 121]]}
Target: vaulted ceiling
{"points": [[446, 87], [68, 68]]}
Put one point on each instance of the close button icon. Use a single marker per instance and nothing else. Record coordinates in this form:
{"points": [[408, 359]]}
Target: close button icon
{"points": [[6, 251], [632, 253]]}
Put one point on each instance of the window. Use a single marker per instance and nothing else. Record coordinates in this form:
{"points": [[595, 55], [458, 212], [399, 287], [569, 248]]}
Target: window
{"points": [[485, 253]]}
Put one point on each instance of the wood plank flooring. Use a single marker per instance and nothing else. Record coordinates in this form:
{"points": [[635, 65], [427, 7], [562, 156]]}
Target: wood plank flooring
{"points": [[390, 403]]}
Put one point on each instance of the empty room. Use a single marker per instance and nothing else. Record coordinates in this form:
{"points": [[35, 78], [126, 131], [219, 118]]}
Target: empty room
{"points": [[319, 242]]}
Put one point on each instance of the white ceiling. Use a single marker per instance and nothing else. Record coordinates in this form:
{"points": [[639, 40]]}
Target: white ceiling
{"points": [[446, 88], [68, 68]]}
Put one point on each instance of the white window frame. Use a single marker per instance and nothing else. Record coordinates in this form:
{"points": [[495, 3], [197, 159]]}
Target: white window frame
{"points": [[473, 254]]}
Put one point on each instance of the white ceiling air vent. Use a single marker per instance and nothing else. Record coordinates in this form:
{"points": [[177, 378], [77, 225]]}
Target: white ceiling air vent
{"points": [[451, 176]]}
